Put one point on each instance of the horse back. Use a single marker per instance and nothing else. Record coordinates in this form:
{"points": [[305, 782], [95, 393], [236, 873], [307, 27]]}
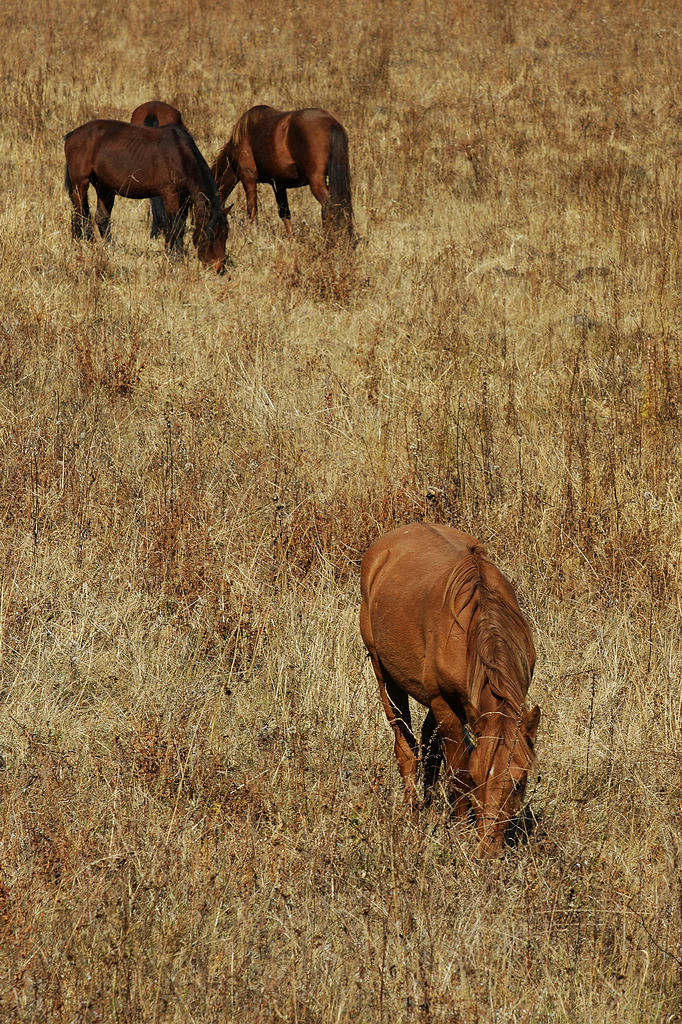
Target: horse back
{"points": [[102, 129], [307, 133], [263, 146], [405, 618], [256, 121], [133, 160], [81, 144]]}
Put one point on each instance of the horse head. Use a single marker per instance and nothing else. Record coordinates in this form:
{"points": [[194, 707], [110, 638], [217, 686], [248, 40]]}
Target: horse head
{"points": [[210, 237], [498, 765]]}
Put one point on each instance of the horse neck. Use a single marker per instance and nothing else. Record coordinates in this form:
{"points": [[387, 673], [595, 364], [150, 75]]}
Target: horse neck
{"points": [[499, 728], [243, 127], [200, 181], [498, 719], [499, 647], [498, 638], [207, 186], [499, 660], [225, 171], [202, 208]]}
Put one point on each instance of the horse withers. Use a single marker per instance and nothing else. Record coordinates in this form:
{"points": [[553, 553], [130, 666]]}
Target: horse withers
{"points": [[139, 162], [156, 114], [289, 149], [442, 625]]}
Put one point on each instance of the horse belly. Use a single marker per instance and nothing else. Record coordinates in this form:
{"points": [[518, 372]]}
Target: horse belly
{"points": [[424, 659], [400, 653], [281, 171], [135, 178], [396, 634], [290, 179], [273, 159]]}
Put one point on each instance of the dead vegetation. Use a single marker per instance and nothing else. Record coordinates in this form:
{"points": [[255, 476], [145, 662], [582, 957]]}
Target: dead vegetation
{"points": [[201, 817]]}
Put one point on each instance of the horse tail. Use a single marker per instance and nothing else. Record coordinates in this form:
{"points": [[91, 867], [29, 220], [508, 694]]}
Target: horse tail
{"points": [[338, 177], [68, 184]]}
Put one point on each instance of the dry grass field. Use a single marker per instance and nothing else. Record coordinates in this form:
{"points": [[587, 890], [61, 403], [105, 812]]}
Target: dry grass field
{"points": [[200, 814]]}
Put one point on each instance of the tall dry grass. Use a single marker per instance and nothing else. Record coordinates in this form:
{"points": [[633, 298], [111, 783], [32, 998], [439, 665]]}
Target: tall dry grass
{"points": [[201, 817]]}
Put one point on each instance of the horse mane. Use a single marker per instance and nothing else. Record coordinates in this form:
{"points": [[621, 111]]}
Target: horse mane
{"points": [[246, 121], [208, 184], [227, 157], [498, 642]]}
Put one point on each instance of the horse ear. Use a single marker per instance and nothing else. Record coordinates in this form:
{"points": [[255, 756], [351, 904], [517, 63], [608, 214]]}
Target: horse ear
{"points": [[228, 209], [531, 723]]}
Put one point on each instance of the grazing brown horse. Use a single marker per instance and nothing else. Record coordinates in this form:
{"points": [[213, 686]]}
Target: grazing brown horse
{"points": [[139, 162], [442, 625], [156, 114], [289, 149]]}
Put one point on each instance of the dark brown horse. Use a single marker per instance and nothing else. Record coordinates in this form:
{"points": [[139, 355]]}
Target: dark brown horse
{"points": [[139, 162], [156, 114], [289, 149], [442, 625]]}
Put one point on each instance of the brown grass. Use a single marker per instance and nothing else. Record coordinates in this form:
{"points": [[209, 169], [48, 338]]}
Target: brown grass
{"points": [[200, 815]]}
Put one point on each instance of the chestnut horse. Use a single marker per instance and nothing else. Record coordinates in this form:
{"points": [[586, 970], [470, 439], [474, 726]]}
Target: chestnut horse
{"points": [[156, 114], [289, 149], [442, 625], [138, 162]]}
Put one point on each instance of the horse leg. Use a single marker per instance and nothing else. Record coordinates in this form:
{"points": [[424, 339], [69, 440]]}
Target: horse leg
{"points": [[175, 232], [159, 218], [105, 203], [283, 207], [455, 752], [397, 708], [81, 224], [174, 226], [250, 182], [432, 755], [318, 187]]}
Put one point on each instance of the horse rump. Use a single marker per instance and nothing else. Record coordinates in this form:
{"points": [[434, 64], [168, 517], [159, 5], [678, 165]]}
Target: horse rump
{"points": [[155, 114]]}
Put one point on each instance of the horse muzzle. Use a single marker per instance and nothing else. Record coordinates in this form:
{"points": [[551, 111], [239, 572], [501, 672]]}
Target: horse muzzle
{"points": [[493, 834]]}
